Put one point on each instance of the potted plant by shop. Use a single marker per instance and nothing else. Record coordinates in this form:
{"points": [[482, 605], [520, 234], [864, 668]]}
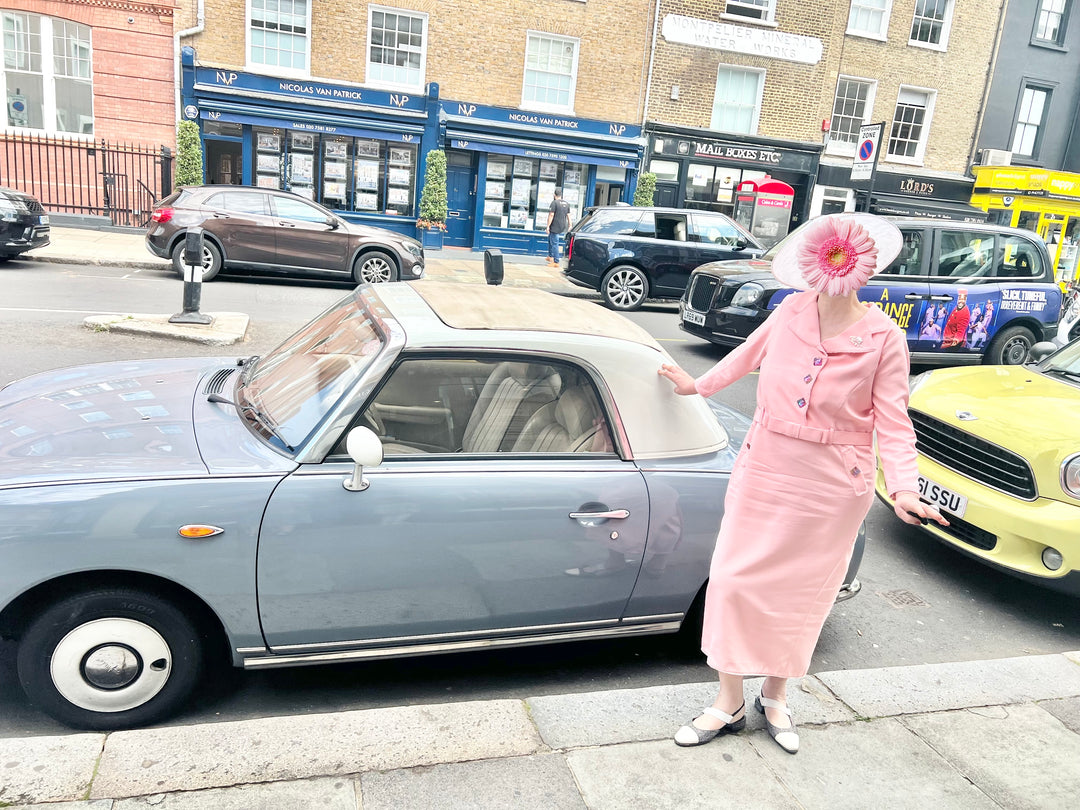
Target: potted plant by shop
{"points": [[432, 222]]}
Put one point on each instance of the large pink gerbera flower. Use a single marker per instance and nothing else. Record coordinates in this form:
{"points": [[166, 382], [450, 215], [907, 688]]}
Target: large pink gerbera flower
{"points": [[837, 256]]}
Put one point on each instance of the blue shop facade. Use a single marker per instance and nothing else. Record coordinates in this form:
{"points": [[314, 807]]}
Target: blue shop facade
{"points": [[362, 153]]}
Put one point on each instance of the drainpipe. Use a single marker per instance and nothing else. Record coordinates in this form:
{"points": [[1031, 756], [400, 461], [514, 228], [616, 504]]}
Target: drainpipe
{"points": [[200, 24], [652, 58], [986, 89]]}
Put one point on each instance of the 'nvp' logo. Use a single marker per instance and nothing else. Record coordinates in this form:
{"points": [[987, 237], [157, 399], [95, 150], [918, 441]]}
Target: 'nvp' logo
{"points": [[466, 109], [225, 78], [398, 101], [617, 129]]}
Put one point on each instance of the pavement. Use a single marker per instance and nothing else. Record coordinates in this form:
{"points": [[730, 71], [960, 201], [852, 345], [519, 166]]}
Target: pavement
{"points": [[999, 733]]}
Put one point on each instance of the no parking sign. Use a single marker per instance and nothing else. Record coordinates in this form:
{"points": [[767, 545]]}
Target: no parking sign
{"points": [[866, 151]]}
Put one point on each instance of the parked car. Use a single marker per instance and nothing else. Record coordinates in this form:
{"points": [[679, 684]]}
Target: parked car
{"points": [[999, 455], [24, 225], [277, 232], [963, 293], [423, 468], [631, 254]]}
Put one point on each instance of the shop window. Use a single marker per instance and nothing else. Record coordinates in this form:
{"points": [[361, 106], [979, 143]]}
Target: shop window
{"points": [[835, 200], [1033, 108], [1050, 22], [342, 173], [852, 106], [278, 36], [518, 191], [910, 124], [665, 170], [47, 77], [930, 25], [751, 9], [397, 47], [550, 73], [737, 100], [869, 18]]}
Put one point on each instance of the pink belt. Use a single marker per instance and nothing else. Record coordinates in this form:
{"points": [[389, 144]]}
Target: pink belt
{"points": [[812, 434]]}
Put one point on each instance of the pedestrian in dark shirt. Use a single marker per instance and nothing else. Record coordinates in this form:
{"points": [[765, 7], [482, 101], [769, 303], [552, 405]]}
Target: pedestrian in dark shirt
{"points": [[558, 223]]}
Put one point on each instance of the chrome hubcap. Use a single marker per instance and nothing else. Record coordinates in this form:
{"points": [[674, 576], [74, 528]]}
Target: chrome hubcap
{"points": [[626, 289], [111, 667], [375, 271]]}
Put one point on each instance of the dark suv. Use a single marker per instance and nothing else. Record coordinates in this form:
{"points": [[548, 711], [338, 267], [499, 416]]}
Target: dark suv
{"points": [[277, 232], [24, 225], [962, 293], [630, 254]]}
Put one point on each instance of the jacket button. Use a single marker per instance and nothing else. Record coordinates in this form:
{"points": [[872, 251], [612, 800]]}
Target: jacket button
{"points": [[855, 471], [801, 402], [818, 361], [807, 379]]}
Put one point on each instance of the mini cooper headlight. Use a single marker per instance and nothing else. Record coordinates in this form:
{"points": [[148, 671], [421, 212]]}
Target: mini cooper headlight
{"points": [[1070, 475], [916, 381], [747, 295]]}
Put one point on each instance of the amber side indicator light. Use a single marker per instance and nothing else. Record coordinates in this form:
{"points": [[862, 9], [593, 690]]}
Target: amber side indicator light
{"points": [[198, 531]]}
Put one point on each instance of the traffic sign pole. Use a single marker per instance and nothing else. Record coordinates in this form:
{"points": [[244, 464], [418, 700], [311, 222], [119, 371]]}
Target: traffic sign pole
{"points": [[864, 166]]}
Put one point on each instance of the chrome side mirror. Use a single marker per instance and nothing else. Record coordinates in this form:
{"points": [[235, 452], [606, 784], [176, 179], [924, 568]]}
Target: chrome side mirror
{"points": [[365, 449]]}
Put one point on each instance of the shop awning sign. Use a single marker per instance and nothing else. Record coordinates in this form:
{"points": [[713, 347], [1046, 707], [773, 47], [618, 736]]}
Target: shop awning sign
{"points": [[866, 151]]}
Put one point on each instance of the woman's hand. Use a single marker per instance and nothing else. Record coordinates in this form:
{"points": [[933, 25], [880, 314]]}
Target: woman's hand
{"points": [[684, 383], [910, 509]]}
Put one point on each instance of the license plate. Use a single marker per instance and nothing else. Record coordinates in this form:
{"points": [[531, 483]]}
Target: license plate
{"points": [[694, 317], [43, 220], [944, 499]]}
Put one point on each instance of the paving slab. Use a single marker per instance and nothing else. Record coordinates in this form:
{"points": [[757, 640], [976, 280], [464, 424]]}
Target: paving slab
{"points": [[309, 794], [881, 761], [47, 769], [540, 782], [149, 761], [225, 329], [1067, 710], [724, 773], [940, 687], [95, 804], [1021, 756], [656, 712]]}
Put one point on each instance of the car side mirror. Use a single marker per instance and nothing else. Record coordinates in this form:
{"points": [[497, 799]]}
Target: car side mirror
{"points": [[740, 244], [365, 449], [332, 223], [1040, 351]]}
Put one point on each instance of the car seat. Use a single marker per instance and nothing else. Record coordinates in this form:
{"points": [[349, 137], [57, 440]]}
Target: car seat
{"points": [[513, 393], [564, 426], [679, 231]]}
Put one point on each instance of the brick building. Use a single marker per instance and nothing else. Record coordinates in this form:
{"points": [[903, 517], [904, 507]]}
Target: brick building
{"points": [[90, 93], [342, 104]]}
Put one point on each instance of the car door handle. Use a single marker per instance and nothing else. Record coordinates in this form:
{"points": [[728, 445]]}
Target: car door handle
{"points": [[219, 215], [614, 514], [940, 297], [284, 224], [916, 297]]}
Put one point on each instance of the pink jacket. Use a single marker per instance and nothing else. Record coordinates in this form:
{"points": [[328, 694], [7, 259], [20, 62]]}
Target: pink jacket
{"points": [[839, 391]]}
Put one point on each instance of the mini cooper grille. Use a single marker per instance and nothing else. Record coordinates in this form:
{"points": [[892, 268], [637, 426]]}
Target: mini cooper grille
{"points": [[976, 458], [966, 533], [217, 382], [702, 290]]}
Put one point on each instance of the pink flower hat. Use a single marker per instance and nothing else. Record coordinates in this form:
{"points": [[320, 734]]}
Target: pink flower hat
{"points": [[836, 254]]}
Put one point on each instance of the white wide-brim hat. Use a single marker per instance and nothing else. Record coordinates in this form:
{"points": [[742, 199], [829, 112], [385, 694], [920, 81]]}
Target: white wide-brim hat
{"points": [[859, 245]]}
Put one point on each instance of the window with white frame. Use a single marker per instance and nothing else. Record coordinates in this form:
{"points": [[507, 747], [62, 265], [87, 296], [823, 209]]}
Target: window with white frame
{"points": [[911, 124], [397, 47], [550, 72], [737, 100], [1034, 105], [869, 18], [1050, 21], [278, 34], [852, 105], [930, 25], [47, 79], [751, 9]]}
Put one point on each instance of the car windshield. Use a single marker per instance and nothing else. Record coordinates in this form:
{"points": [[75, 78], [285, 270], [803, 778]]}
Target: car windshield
{"points": [[1066, 361], [293, 388], [770, 254]]}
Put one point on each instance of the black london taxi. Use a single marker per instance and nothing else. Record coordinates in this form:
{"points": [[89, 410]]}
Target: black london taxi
{"points": [[962, 292]]}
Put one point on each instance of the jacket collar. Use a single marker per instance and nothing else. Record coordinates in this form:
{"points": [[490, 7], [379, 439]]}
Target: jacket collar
{"points": [[803, 323]]}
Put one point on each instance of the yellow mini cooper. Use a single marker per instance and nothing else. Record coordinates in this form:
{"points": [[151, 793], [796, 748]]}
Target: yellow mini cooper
{"points": [[999, 455]]}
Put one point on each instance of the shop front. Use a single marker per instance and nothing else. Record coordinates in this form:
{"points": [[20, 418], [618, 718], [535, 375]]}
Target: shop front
{"points": [[356, 151], [695, 169], [895, 194], [504, 166], [1047, 202]]}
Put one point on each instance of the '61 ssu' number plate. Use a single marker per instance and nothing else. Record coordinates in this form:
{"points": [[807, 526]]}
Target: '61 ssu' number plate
{"points": [[944, 499]]}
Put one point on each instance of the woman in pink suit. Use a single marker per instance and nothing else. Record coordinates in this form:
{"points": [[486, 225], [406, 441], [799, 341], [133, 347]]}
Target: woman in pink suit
{"points": [[833, 373]]}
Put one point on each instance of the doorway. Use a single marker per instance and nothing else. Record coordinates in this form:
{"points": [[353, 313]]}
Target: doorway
{"points": [[223, 163], [607, 193], [460, 197]]}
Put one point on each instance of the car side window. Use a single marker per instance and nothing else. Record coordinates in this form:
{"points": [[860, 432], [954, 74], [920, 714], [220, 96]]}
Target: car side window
{"points": [[244, 202], [909, 261], [481, 406], [215, 201], [671, 227], [612, 222], [714, 230], [646, 225], [288, 208], [965, 255], [1019, 259]]}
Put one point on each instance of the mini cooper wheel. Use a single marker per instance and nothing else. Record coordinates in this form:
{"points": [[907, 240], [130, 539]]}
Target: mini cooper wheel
{"points": [[211, 259], [374, 267], [110, 659], [1010, 347], [624, 288]]}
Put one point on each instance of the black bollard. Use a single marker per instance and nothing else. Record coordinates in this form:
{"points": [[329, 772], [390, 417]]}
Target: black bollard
{"points": [[193, 250], [493, 266]]}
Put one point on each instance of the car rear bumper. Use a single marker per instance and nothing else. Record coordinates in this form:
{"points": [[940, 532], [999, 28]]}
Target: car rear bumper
{"points": [[159, 250]]}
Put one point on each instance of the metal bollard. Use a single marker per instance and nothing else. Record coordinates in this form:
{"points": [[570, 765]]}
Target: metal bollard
{"points": [[493, 266], [193, 249]]}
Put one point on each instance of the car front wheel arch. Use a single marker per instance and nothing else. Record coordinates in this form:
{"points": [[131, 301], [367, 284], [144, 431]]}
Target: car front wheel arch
{"points": [[1010, 347], [374, 267], [213, 259], [624, 287]]}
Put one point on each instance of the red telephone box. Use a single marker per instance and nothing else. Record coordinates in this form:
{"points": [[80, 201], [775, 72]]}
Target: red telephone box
{"points": [[763, 207]]}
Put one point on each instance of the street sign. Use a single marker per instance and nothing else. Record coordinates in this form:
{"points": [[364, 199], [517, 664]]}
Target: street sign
{"points": [[866, 151]]}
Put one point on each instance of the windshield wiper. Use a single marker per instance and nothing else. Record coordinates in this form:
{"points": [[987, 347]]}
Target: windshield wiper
{"points": [[1064, 372], [247, 367], [260, 417]]}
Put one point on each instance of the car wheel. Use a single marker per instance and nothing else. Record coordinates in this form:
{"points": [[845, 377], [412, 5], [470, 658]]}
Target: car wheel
{"points": [[1010, 347], [374, 267], [624, 288], [211, 259], [109, 659]]}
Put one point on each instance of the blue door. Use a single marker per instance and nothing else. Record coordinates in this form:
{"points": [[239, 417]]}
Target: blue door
{"points": [[460, 198]]}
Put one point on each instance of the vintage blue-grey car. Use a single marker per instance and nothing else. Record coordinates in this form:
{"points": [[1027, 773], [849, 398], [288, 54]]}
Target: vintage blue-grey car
{"points": [[424, 468]]}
